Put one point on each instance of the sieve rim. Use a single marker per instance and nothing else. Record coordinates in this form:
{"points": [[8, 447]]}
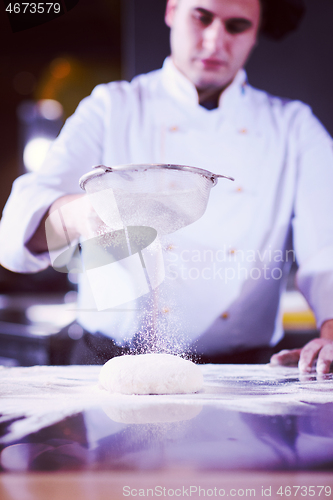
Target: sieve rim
{"points": [[100, 170]]}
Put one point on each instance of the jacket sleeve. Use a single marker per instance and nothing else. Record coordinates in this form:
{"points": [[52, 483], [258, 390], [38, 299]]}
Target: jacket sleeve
{"points": [[313, 216], [77, 149]]}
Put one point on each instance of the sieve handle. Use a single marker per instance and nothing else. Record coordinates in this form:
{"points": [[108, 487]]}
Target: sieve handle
{"points": [[215, 177], [223, 176]]}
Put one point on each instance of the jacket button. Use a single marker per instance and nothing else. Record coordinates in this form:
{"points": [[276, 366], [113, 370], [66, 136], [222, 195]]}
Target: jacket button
{"points": [[225, 315], [173, 129], [243, 131], [239, 189]]}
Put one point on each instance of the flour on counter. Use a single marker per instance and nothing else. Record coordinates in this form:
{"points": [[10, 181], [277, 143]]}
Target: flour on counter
{"points": [[33, 398]]}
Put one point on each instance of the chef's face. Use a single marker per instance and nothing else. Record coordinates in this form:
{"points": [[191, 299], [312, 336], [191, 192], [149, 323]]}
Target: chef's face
{"points": [[212, 39]]}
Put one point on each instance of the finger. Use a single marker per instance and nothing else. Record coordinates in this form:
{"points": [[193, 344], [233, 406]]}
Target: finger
{"points": [[95, 227], [325, 359], [286, 358], [309, 353]]}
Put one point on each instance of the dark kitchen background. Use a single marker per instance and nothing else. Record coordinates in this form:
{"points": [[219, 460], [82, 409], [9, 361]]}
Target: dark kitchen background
{"points": [[103, 40]]}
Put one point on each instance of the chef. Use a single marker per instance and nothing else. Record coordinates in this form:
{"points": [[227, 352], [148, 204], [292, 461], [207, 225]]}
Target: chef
{"points": [[224, 274]]}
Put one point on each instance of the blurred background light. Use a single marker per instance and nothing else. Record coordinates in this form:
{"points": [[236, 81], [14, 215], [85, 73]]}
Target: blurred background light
{"points": [[35, 152], [39, 124], [50, 109], [68, 79], [52, 315], [60, 67]]}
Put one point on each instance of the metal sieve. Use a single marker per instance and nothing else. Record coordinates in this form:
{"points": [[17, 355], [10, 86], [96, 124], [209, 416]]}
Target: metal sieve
{"points": [[165, 197]]}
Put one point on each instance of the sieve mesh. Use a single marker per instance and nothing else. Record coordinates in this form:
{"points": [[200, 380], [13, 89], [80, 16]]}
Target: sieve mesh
{"points": [[163, 197]]}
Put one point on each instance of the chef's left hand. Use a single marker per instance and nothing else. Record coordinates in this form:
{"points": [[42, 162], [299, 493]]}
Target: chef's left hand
{"points": [[320, 349]]}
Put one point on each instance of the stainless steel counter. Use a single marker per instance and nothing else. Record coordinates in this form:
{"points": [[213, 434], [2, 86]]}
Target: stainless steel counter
{"points": [[247, 417]]}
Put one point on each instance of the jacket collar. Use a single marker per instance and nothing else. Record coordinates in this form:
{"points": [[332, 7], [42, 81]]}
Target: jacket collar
{"points": [[183, 90]]}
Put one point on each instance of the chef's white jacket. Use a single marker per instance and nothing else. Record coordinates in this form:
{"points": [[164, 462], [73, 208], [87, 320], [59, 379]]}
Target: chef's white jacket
{"points": [[224, 274]]}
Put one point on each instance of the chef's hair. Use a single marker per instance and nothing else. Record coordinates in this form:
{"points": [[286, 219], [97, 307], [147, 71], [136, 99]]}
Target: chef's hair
{"points": [[280, 17]]}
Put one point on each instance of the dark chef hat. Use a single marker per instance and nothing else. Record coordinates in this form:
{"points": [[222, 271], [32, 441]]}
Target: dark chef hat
{"points": [[280, 17]]}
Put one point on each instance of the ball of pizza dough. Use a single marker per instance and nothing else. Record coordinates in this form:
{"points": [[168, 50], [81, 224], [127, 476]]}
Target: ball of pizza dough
{"points": [[150, 374]]}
